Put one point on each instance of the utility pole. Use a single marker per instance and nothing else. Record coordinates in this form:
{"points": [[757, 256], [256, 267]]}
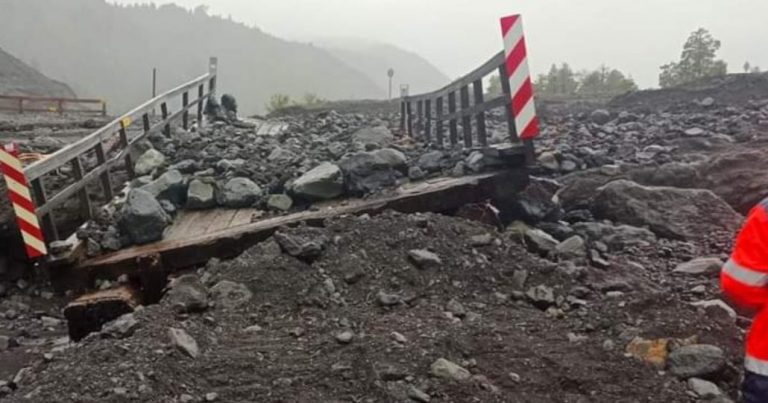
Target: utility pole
{"points": [[390, 73], [154, 87]]}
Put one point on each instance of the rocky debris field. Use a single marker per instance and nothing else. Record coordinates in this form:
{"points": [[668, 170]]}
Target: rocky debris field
{"points": [[316, 156], [421, 308], [601, 284]]}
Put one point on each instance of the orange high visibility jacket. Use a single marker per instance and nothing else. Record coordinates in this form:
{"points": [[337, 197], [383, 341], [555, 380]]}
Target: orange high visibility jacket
{"points": [[744, 280]]}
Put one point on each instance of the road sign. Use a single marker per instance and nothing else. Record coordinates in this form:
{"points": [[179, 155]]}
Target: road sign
{"points": [[21, 199], [519, 76]]}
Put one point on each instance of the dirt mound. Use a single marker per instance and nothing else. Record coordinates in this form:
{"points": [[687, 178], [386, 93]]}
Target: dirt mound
{"points": [[734, 89], [17, 78], [364, 308]]}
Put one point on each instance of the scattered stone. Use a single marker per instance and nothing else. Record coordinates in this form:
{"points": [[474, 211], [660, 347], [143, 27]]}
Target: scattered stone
{"points": [[425, 259], [700, 267], [698, 360], [600, 116], [211, 397], [170, 186], [279, 202], [456, 308], [149, 162], [307, 245], [399, 338], [716, 305], [445, 369], [239, 193], [143, 219], [120, 328], [573, 247], [345, 337], [230, 295], [323, 182], [541, 296], [385, 299], [654, 352], [481, 240], [187, 294], [418, 395], [184, 342], [704, 389], [200, 195], [379, 136]]}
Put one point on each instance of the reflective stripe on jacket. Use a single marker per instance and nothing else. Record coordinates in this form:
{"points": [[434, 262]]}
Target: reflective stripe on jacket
{"points": [[744, 280]]}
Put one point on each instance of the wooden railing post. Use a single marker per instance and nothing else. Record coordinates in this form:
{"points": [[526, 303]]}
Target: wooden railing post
{"points": [[466, 120], [200, 95], [454, 124], [126, 146], [419, 116], [480, 116], [103, 108], [49, 224], [213, 68], [106, 182], [428, 120], [402, 115], [86, 213], [511, 129], [409, 115], [185, 114], [21, 106], [60, 106], [164, 112], [439, 130]]}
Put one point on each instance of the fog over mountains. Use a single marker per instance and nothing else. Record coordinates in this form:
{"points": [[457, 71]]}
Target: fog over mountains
{"points": [[108, 51]]}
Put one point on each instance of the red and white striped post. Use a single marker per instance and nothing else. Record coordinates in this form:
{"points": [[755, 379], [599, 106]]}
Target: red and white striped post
{"points": [[21, 198], [519, 76]]}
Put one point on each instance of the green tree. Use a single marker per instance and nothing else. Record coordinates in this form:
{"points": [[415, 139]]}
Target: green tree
{"points": [[278, 102], [559, 81], [696, 61], [310, 99], [605, 81], [494, 86]]}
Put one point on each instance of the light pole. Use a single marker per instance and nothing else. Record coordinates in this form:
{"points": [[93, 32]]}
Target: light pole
{"points": [[390, 73]]}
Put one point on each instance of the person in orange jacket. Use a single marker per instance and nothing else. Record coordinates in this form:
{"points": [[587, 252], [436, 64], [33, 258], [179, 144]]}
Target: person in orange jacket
{"points": [[744, 280]]}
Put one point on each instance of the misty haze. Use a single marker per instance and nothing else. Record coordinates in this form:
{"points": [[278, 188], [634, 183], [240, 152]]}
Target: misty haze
{"points": [[381, 201]]}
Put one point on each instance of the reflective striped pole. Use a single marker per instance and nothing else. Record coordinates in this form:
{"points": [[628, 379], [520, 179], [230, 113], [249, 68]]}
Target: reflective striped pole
{"points": [[21, 199], [519, 76]]}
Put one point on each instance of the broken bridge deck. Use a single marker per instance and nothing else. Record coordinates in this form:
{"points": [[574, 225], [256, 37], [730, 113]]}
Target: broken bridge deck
{"points": [[197, 236]]}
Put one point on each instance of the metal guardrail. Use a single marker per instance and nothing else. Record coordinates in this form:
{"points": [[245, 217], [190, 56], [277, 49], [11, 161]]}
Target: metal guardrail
{"points": [[112, 145], [21, 104], [430, 108]]}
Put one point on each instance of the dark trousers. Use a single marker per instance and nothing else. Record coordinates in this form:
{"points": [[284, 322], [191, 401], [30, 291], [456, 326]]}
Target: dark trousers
{"points": [[755, 388]]}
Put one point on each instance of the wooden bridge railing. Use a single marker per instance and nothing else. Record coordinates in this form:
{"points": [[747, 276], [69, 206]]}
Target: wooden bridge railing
{"points": [[431, 115], [22, 104], [111, 145]]}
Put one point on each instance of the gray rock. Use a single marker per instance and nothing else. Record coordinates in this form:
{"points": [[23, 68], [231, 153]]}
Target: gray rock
{"points": [[307, 245], [700, 267], [5, 343], [149, 162], [393, 158], [229, 165], [143, 219], [385, 299], [184, 342], [415, 173], [279, 202], [169, 186], [704, 389], [186, 166], [379, 136], [345, 337], [695, 131], [239, 193], [366, 172], [323, 182], [120, 328], [600, 116], [698, 360], [535, 239], [716, 305], [549, 161], [445, 369], [573, 247], [541, 296], [481, 240], [418, 395], [456, 308], [230, 295], [425, 259], [281, 155], [615, 236], [200, 195], [187, 294], [432, 161]]}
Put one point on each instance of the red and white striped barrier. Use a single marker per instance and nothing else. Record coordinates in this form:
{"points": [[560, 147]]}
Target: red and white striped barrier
{"points": [[520, 84], [21, 198]]}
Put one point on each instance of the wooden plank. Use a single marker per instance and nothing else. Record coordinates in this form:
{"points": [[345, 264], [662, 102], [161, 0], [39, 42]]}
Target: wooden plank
{"points": [[49, 224], [477, 86], [486, 68], [184, 107], [242, 217], [200, 93], [164, 111], [182, 224], [497, 102], [106, 182], [438, 196], [466, 121], [220, 220], [454, 124]]}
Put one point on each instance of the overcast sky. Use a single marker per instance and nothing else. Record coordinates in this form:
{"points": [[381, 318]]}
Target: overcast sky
{"points": [[636, 36]]}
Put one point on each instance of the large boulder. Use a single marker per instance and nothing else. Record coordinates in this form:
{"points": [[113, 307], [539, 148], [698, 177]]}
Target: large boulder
{"points": [[394, 158], [323, 182], [379, 136], [740, 178], [615, 236], [535, 203], [366, 172], [239, 193], [149, 162], [686, 214], [432, 161], [143, 219], [169, 186]]}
